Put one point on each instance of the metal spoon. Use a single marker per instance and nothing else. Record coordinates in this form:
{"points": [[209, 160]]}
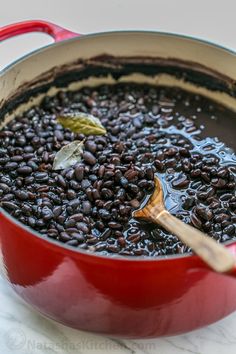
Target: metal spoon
{"points": [[213, 253]]}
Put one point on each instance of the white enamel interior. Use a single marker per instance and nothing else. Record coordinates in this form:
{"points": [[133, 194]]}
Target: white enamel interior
{"points": [[149, 44]]}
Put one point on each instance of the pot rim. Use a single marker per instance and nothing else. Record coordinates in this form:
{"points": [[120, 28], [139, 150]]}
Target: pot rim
{"points": [[104, 33], [69, 248]]}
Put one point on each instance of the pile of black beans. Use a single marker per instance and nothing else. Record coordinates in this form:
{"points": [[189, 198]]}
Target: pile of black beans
{"points": [[89, 206]]}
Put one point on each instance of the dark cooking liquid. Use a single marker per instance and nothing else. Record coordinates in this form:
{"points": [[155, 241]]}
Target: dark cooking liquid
{"points": [[179, 136]]}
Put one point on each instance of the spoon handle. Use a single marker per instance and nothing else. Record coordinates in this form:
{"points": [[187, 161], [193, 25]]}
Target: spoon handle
{"points": [[213, 253]]}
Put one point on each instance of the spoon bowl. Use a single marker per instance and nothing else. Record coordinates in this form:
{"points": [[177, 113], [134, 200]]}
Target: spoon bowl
{"points": [[214, 254]]}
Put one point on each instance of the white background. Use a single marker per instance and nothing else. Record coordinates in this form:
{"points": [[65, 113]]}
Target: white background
{"points": [[210, 19]]}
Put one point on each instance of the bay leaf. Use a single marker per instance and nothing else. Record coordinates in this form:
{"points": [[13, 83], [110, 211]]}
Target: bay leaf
{"points": [[79, 122], [68, 155]]}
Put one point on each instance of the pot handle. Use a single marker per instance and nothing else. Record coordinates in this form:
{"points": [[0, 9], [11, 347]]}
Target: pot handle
{"points": [[56, 32]]}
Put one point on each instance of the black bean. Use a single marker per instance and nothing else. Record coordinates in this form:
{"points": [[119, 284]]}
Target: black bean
{"points": [[8, 196], [205, 177], [181, 181], [196, 221], [71, 194], [85, 184], [24, 170], [204, 213], [31, 221], [100, 246], [218, 183], [4, 187], [79, 173], [82, 226], [106, 193], [70, 230], [64, 236], [74, 185], [184, 152], [89, 158], [229, 230], [225, 238], [231, 185], [225, 197], [41, 176], [135, 203], [22, 195], [150, 173], [135, 238], [74, 203], [70, 223], [45, 156], [61, 181], [137, 122], [195, 173], [104, 214], [188, 203], [29, 155], [124, 182], [206, 226], [47, 213], [221, 217], [222, 173], [202, 195], [10, 166], [114, 225], [57, 211], [86, 207], [73, 243], [78, 236], [59, 135], [133, 188], [91, 146], [112, 248], [9, 205]]}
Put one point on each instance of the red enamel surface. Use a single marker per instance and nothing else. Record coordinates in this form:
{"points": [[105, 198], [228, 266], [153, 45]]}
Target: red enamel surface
{"points": [[118, 297]]}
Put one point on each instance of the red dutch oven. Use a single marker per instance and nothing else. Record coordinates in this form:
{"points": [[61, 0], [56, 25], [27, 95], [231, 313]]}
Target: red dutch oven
{"points": [[126, 297]]}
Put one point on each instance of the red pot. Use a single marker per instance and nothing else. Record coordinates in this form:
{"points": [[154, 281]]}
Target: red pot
{"points": [[128, 297]]}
